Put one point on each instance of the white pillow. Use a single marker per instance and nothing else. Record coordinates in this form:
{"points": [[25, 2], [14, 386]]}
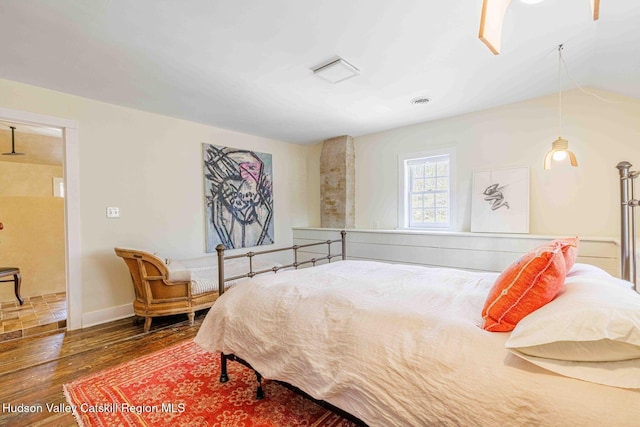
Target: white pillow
{"points": [[623, 374], [593, 319], [590, 328], [581, 269]]}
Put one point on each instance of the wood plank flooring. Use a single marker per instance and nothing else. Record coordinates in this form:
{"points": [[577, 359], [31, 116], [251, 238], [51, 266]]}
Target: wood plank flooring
{"points": [[33, 369]]}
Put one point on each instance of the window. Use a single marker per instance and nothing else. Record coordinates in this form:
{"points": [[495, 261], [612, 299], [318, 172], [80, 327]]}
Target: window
{"points": [[427, 185]]}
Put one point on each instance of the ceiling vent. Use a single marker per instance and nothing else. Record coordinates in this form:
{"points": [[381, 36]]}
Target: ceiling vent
{"points": [[336, 71], [421, 100]]}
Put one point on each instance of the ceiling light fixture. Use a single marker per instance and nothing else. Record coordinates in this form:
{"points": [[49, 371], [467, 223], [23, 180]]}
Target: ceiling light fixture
{"points": [[492, 17], [560, 147], [13, 144], [336, 71]]}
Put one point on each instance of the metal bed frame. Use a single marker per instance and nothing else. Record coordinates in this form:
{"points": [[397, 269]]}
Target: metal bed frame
{"points": [[224, 377], [295, 264], [628, 203]]}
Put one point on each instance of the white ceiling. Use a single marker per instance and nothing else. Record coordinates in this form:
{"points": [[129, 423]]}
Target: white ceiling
{"points": [[246, 64]]}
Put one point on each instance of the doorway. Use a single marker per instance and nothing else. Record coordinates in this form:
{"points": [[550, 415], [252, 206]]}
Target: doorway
{"points": [[32, 229], [69, 134]]}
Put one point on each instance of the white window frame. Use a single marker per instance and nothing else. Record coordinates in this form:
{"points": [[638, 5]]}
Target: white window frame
{"points": [[403, 187]]}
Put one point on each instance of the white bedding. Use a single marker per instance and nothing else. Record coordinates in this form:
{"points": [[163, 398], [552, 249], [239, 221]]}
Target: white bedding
{"points": [[399, 345]]}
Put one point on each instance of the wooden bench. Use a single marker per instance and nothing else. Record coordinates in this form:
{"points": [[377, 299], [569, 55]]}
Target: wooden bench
{"points": [[15, 272]]}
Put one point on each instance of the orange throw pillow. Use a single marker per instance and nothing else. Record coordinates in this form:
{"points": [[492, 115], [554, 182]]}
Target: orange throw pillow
{"points": [[526, 285], [569, 250]]}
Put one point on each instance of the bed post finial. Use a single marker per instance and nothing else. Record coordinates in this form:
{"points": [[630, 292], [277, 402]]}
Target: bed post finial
{"points": [[623, 165], [220, 250], [343, 236]]}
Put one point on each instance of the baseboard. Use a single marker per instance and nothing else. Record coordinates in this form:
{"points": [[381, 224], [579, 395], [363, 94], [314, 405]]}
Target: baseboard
{"points": [[98, 317]]}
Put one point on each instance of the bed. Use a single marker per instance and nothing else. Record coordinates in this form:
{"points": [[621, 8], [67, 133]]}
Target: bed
{"points": [[403, 345]]}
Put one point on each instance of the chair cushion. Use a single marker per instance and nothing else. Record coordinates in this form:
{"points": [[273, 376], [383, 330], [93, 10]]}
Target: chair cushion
{"points": [[203, 271]]}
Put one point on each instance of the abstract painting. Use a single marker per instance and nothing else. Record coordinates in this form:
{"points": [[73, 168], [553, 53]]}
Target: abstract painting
{"points": [[238, 194], [500, 201]]}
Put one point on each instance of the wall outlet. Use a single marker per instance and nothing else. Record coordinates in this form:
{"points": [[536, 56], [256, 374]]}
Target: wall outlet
{"points": [[113, 212]]}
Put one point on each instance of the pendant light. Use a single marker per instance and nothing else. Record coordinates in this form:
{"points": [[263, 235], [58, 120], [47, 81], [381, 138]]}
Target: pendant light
{"points": [[13, 144], [560, 147]]}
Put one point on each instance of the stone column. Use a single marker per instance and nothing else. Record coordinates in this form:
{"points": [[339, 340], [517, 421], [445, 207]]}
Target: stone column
{"points": [[337, 183]]}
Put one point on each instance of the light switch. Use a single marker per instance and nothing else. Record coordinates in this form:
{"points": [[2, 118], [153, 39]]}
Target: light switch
{"points": [[113, 212]]}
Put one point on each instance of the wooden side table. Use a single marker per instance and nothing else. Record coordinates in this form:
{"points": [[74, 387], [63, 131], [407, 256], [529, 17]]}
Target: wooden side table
{"points": [[15, 272]]}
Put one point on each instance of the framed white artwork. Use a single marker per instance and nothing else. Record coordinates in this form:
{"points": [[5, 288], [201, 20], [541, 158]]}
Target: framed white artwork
{"points": [[500, 201]]}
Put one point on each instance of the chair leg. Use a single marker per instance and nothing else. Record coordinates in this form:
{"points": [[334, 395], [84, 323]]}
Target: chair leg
{"points": [[192, 317], [147, 323], [17, 280]]}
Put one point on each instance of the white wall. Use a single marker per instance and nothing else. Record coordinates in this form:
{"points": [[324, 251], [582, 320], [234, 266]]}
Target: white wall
{"points": [[563, 201], [149, 166]]}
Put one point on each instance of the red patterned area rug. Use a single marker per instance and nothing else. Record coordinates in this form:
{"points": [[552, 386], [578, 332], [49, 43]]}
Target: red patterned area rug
{"points": [[179, 386]]}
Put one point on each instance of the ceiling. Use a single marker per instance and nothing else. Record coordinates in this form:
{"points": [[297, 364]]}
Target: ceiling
{"points": [[246, 65]]}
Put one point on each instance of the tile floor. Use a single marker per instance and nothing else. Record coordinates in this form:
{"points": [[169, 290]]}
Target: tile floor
{"points": [[38, 314]]}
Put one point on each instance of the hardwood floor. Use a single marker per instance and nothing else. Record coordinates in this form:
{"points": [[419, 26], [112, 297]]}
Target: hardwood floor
{"points": [[33, 369]]}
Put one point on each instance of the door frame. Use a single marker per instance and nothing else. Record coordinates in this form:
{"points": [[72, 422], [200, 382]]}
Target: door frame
{"points": [[71, 168]]}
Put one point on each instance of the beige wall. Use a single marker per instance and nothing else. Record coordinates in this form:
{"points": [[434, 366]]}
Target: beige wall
{"points": [[33, 234], [149, 166], [564, 201]]}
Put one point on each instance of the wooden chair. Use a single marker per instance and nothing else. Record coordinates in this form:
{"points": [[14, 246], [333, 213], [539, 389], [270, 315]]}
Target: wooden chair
{"points": [[155, 294], [15, 272]]}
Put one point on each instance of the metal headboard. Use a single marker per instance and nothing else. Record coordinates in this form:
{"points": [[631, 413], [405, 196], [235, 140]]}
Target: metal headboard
{"points": [[628, 203]]}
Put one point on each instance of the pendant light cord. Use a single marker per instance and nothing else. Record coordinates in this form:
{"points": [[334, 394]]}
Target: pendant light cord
{"points": [[572, 80], [560, 47]]}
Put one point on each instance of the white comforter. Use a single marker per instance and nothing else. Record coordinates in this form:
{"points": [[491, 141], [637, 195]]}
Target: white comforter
{"points": [[399, 345]]}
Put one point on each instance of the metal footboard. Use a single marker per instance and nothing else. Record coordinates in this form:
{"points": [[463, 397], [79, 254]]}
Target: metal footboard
{"points": [[295, 264], [224, 376]]}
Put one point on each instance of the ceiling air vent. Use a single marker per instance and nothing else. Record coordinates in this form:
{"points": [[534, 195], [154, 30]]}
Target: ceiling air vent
{"points": [[421, 100]]}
